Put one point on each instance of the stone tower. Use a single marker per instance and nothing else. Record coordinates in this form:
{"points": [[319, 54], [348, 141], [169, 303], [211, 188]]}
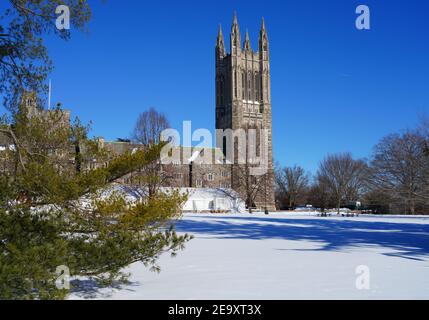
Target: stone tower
{"points": [[243, 98]]}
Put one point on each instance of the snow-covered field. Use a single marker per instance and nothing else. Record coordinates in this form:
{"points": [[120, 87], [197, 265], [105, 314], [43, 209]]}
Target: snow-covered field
{"points": [[286, 256]]}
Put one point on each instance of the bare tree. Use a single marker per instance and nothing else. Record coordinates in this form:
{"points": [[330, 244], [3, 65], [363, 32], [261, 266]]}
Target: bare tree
{"points": [[252, 177], [251, 186], [399, 167], [149, 127], [424, 131], [319, 195], [147, 132], [292, 182], [343, 176], [378, 201]]}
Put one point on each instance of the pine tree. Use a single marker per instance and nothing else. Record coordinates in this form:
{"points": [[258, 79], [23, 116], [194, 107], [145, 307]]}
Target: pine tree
{"points": [[44, 222]]}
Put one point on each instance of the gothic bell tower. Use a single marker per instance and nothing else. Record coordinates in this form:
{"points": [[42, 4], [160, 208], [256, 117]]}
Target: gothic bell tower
{"points": [[243, 95]]}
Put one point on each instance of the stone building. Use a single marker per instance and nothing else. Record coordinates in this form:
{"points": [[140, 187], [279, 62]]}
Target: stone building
{"points": [[198, 167], [51, 120], [57, 117]]}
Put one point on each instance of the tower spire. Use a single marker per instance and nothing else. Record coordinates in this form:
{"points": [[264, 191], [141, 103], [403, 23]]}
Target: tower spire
{"points": [[220, 34], [235, 36], [263, 32], [220, 43], [263, 41], [247, 42]]}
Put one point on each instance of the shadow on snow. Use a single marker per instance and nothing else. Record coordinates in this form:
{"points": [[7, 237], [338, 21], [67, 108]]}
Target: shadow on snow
{"points": [[408, 240]]}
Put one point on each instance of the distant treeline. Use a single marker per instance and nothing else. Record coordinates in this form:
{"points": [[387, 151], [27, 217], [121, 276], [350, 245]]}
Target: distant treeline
{"points": [[393, 181]]}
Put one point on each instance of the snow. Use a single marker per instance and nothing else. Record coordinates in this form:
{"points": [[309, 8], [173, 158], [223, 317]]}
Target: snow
{"points": [[286, 256], [11, 147], [206, 199], [199, 199]]}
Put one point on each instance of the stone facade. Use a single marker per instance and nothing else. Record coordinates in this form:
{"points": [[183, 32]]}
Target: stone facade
{"points": [[199, 168], [56, 117], [187, 167], [52, 119]]}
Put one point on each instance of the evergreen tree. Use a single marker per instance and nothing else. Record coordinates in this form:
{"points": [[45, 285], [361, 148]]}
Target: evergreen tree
{"points": [[45, 222]]}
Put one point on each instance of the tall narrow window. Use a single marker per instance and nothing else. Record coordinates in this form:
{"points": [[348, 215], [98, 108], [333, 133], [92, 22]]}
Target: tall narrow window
{"points": [[252, 87], [245, 85], [221, 90], [224, 146], [217, 90], [235, 84], [249, 86], [256, 86], [258, 140], [242, 86]]}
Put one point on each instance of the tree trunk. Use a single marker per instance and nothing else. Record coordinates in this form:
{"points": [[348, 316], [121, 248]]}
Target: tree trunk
{"points": [[412, 206], [78, 158], [249, 203]]}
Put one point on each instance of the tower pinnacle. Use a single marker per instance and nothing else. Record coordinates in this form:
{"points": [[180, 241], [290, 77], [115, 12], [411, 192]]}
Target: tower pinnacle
{"points": [[220, 34], [263, 41], [220, 43], [235, 36], [247, 42]]}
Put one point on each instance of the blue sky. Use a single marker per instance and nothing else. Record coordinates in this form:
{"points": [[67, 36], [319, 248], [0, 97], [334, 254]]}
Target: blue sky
{"points": [[334, 88]]}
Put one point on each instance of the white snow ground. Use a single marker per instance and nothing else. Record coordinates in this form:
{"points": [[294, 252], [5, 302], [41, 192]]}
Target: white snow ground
{"points": [[286, 256]]}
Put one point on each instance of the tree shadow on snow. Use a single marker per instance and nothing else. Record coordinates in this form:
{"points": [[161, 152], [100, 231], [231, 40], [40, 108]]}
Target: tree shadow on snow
{"points": [[92, 289], [407, 240]]}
